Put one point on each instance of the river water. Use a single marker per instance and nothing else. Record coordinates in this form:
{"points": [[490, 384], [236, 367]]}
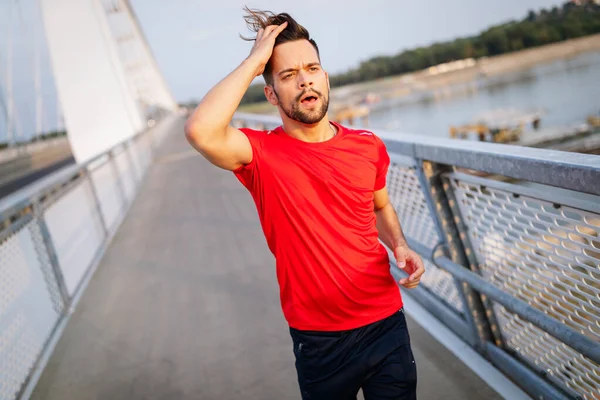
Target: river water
{"points": [[567, 91]]}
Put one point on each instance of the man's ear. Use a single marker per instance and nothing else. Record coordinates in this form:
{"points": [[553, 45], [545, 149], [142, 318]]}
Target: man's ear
{"points": [[270, 95], [327, 78]]}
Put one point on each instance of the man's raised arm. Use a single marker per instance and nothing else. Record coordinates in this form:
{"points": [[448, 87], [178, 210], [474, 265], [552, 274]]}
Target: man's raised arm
{"points": [[208, 129]]}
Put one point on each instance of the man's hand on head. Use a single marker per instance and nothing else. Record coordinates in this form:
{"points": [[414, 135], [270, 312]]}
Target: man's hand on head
{"points": [[409, 261], [263, 46]]}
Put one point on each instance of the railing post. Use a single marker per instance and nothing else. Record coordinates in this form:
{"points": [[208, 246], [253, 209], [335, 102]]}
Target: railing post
{"points": [[115, 167], [127, 150], [471, 257], [442, 203], [38, 213], [88, 176]]}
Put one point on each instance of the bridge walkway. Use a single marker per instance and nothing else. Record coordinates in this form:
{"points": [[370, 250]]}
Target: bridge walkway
{"points": [[184, 304]]}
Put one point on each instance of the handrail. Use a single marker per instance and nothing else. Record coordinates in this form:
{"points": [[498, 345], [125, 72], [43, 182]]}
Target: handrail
{"points": [[511, 238], [38, 225], [25, 195], [569, 336], [575, 171]]}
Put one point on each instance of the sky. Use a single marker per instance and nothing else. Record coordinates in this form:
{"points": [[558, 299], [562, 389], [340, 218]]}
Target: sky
{"points": [[196, 43]]}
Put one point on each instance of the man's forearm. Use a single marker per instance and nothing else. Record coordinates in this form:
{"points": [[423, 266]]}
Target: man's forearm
{"points": [[388, 226], [215, 111]]}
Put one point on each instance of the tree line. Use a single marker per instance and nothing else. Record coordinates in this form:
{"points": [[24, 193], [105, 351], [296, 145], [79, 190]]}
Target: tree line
{"points": [[536, 29]]}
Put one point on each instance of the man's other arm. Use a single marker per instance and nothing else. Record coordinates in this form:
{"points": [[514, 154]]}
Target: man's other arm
{"points": [[390, 233]]}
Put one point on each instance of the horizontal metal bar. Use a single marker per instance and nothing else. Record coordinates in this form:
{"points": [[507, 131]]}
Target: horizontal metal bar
{"points": [[583, 201], [527, 379], [433, 303], [8, 212], [402, 148], [24, 197], [580, 172], [474, 360], [402, 160], [442, 312], [28, 194], [575, 171], [554, 327], [423, 250]]}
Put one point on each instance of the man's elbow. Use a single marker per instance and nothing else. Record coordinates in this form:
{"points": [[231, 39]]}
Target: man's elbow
{"points": [[378, 208], [198, 135], [192, 130]]}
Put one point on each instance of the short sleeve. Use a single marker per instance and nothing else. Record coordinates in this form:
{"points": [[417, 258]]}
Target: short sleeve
{"points": [[247, 174], [383, 163]]}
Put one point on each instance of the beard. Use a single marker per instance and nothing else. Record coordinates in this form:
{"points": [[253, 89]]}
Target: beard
{"points": [[304, 116]]}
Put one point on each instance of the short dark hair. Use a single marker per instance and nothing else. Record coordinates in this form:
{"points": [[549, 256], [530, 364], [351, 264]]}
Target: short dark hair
{"points": [[256, 20]]}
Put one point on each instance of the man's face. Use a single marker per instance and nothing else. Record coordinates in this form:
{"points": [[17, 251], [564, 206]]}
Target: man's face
{"points": [[300, 86]]}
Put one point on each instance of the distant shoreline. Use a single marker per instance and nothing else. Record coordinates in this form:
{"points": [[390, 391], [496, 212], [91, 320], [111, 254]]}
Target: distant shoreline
{"points": [[423, 81], [488, 67]]}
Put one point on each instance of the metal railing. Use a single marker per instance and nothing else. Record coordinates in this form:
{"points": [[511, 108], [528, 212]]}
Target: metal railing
{"points": [[53, 234], [511, 241]]}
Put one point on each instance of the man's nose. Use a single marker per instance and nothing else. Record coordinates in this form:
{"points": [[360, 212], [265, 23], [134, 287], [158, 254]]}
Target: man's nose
{"points": [[305, 81]]}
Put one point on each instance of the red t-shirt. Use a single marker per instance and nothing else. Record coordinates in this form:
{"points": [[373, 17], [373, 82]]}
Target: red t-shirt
{"points": [[315, 203]]}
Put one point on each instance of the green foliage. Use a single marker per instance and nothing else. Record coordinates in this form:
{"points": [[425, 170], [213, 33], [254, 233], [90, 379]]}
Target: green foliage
{"points": [[536, 29], [45, 136], [254, 94]]}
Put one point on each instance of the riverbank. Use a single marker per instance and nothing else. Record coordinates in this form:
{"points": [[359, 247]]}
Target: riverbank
{"points": [[445, 84]]}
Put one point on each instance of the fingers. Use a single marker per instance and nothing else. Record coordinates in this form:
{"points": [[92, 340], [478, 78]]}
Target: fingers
{"points": [[419, 269], [274, 29], [260, 34], [271, 29], [414, 266], [282, 27], [407, 284], [411, 285]]}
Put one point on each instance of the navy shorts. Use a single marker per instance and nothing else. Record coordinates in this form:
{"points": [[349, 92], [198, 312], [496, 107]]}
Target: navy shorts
{"points": [[376, 357]]}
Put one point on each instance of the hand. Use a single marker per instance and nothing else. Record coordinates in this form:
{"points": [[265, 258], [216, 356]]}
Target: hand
{"points": [[263, 45], [411, 263]]}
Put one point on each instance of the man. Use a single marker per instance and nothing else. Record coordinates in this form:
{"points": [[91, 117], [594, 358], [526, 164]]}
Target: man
{"points": [[320, 191]]}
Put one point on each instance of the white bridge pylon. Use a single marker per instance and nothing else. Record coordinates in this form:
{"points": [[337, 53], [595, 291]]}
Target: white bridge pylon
{"points": [[107, 79]]}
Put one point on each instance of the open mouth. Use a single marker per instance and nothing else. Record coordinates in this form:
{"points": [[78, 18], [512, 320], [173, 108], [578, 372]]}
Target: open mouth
{"points": [[309, 99]]}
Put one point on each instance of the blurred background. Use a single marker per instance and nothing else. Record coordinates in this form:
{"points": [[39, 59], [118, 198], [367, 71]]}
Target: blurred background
{"points": [[90, 90], [417, 67], [524, 72]]}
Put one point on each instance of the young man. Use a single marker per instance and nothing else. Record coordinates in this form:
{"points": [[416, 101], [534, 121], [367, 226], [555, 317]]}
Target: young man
{"points": [[320, 191]]}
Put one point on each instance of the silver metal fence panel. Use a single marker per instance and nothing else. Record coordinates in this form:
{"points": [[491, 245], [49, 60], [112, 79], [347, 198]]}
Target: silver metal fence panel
{"points": [[30, 305], [44, 254], [440, 283], [408, 199], [544, 253], [125, 174], [561, 364], [109, 192], [406, 194], [76, 242]]}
